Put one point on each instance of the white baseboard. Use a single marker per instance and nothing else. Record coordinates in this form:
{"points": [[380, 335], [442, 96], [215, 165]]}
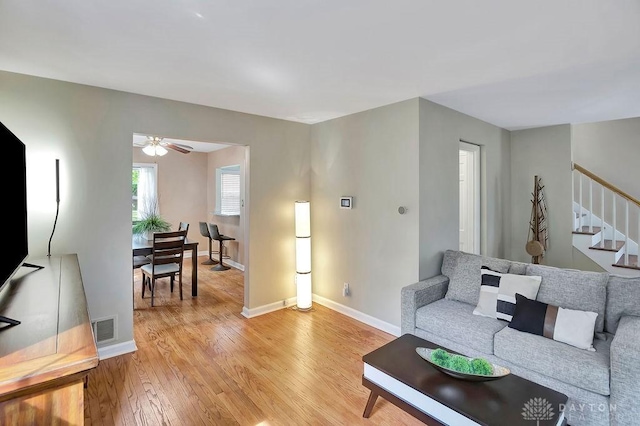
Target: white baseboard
{"points": [[357, 315], [345, 310], [229, 262], [234, 264], [110, 351], [265, 309]]}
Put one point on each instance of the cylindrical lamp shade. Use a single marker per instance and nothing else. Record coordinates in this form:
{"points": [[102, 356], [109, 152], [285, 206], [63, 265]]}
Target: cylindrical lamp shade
{"points": [[303, 219], [303, 255], [303, 283]]}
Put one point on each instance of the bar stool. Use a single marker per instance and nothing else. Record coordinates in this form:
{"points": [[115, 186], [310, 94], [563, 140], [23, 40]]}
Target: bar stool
{"points": [[215, 234], [204, 231]]}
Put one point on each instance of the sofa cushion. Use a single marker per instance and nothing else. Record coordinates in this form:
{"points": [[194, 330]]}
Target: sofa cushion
{"points": [[573, 289], [518, 268], [584, 369], [623, 298], [464, 281], [455, 321], [449, 262]]}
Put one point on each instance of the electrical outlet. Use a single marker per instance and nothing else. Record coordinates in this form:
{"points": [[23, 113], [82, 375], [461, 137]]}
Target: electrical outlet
{"points": [[345, 290]]}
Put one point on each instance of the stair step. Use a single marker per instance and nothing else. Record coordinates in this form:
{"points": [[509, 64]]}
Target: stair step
{"points": [[585, 231], [608, 246], [633, 262]]}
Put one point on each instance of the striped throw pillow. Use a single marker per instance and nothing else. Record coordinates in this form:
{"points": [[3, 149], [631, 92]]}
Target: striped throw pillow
{"points": [[570, 326], [498, 292]]}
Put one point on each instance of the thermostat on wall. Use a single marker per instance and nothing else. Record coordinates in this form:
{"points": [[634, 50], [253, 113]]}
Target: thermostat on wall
{"points": [[346, 202]]}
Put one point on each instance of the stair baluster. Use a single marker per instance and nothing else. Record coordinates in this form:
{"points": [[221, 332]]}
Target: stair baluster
{"points": [[626, 232], [580, 201], [586, 233], [602, 216], [614, 221], [590, 205]]}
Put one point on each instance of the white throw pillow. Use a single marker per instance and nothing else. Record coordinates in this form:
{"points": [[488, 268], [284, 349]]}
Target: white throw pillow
{"points": [[498, 293], [575, 328]]}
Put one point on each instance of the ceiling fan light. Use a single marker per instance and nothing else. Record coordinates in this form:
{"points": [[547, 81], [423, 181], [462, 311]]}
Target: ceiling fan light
{"points": [[150, 150], [160, 150]]}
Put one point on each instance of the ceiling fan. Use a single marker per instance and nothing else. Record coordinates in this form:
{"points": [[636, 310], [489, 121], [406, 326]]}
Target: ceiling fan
{"points": [[155, 145]]}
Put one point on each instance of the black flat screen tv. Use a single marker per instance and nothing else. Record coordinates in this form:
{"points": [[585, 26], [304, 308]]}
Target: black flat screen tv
{"points": [[14, 189]]}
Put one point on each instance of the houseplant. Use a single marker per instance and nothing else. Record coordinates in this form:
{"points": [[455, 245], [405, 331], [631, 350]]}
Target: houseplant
{"points": [[150, 221]]}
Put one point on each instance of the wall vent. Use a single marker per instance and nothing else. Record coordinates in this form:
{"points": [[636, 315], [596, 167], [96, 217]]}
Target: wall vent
{"points": [[104, 329]]}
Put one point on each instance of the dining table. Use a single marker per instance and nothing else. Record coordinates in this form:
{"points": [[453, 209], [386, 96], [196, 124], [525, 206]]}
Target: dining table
{"points": [[143, 247]]}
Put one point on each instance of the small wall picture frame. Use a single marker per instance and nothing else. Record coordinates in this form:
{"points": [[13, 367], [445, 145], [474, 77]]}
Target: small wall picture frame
{"points": [[346, 202]]}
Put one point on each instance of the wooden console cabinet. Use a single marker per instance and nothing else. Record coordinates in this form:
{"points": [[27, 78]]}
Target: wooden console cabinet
{"points": [[44, 361]]}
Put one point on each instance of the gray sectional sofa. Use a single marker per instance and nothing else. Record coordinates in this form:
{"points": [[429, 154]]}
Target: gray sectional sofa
{"points": [[603, 386]]}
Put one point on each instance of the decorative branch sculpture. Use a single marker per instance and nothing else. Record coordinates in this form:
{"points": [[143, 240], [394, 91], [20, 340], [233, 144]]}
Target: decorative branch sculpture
{"points": [[538, 238]]}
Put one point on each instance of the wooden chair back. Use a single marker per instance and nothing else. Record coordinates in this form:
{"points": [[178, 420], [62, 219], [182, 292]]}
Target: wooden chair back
{"points": [[183, 226], [168, 247]]}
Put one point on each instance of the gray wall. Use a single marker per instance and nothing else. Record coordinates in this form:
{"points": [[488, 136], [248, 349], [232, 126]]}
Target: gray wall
{"points": [[90, 130], [545, 152], [182, 181], [232, 226], [441, 130], [372, 156], [405, 154], [611, 150]]}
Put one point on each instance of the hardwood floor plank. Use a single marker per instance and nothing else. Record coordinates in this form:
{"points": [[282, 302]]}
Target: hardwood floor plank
{"points": [[200, 362]]}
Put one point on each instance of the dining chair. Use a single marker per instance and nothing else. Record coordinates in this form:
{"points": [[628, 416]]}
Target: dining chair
{"points": [[166, 261], [183, 226], [216, 235], [139, 261], [204, 231]]}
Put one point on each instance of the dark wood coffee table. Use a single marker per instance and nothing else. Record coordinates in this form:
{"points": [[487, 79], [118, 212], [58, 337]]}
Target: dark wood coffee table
{"points": [[398, 374]]}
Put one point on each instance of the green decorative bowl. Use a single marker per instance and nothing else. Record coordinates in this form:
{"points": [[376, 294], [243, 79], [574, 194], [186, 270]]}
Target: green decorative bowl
{"points": [[498, 371]]}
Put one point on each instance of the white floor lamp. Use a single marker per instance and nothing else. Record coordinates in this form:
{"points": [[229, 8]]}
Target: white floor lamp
{"points": [[303, 255]]}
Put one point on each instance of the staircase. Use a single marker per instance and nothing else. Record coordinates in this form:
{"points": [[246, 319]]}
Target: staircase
{"points": [[605, 219]]}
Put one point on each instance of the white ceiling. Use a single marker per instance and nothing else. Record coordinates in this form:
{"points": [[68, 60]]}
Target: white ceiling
{"points": [[514, 63], [197, 146]]}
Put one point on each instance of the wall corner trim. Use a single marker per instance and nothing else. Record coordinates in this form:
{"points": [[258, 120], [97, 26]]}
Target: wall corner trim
{"points": [[110, 351], [335, 306], [265, 309], [357, 315]]}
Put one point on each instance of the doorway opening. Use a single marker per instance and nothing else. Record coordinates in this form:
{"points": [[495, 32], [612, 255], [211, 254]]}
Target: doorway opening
{"points": [[200, 185], [469, 174]]}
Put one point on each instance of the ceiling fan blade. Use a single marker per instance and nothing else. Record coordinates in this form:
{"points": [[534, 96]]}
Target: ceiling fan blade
{"points": [[140, 145], [176, 148], [181, 145]]}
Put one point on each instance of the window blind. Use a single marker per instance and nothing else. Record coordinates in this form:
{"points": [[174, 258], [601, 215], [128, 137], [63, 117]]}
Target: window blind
{"points": [[230, 193]]}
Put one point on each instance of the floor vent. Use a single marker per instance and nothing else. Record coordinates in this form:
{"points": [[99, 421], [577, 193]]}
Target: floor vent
{"points": [[104, 329]]}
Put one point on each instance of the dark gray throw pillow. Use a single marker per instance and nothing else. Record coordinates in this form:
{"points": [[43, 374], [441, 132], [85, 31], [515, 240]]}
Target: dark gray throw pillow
{"points": [[464, 281]]}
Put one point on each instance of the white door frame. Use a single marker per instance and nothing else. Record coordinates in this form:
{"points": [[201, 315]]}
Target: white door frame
{"points": [[474, 150]]}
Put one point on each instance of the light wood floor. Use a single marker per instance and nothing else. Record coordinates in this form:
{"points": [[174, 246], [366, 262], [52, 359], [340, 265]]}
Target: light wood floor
{"points": [[199, 362]]}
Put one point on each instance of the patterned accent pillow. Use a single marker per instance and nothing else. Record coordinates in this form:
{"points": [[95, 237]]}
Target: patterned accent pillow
{"points": [[573, 327], [498, 293]]}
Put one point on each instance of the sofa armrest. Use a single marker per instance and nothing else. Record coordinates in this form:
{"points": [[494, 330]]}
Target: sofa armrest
{"points": [[419, 294], [625, 372]]}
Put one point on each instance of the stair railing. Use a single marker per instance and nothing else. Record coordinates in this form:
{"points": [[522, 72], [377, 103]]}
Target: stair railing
{"points": [[615, 194]]}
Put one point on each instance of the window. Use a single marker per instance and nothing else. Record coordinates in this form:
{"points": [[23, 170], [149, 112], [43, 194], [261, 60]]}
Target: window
{"points": [[228, 191], [144, 194]]}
